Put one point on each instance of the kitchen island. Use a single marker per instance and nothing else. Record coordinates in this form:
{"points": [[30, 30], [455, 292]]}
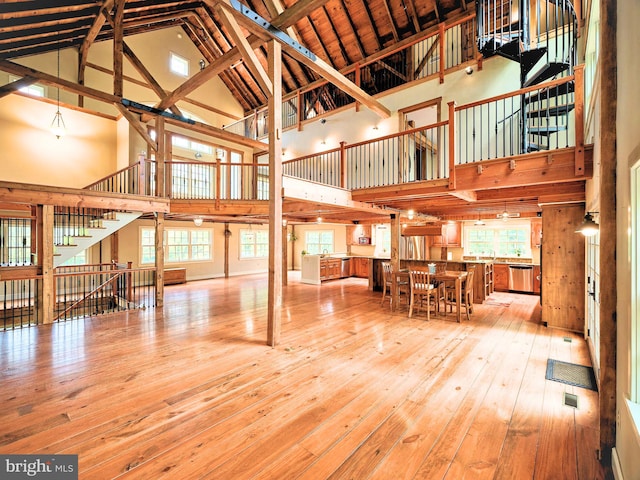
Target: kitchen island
{"points": [[316, 269]]}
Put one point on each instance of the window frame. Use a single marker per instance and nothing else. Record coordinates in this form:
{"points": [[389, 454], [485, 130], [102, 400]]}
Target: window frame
{"points": [[180, 60], [497, 227], [319, 247], [144, 246], [258, 248]]}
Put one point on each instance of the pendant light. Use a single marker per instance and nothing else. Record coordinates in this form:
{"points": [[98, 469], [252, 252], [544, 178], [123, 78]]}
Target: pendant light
{"points": [[505, 214], [58, 127], [589, 227]]}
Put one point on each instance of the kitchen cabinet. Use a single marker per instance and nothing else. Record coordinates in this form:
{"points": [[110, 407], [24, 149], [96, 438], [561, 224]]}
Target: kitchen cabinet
{"points": [[536, 279], [536, 232], [357, 232], [360, 267], [482, 280], [330, 268], [451, 236], [501, 277]]}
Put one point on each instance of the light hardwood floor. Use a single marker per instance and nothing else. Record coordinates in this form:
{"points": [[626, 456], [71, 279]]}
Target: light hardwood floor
{"points": [[351, 392]]}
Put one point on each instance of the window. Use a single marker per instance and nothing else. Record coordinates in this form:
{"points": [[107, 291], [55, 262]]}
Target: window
{"points": [[79, 259], [498, 240], [254, 243], [181, 245], [179, 65], [320, 241]]}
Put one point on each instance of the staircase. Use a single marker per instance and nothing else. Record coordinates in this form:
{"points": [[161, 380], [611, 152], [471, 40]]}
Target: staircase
{"points": [[540, 35], [79, 230]]}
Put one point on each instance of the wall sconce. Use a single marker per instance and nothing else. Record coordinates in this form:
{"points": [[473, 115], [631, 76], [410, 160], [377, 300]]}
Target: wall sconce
{"points": [[410, 214], [197, 221], [284, 222], [468, 70], [589, 227]]}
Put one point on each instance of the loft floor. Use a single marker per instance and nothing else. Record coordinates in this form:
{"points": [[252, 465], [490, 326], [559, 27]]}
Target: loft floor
{"points": [[352, 391]]}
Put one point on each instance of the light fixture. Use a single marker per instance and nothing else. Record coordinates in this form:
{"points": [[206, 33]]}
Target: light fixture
{"points": [[58, 127], [202, 64], [505, 214], [198, 155], [410, 214], [479, 222], [375, 127], [468, 70], [284, 222], [197, 221], [589, 227], [319, 219]]}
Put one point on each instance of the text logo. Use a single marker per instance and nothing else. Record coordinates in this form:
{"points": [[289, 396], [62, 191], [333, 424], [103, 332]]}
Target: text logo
{"points": [[49, 467]]}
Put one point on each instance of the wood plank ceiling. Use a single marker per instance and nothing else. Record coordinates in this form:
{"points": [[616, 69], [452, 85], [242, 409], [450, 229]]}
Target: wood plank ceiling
{"points": [[340, 32]]}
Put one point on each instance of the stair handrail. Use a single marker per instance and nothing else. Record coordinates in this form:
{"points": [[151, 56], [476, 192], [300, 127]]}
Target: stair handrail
{"points": [[115, 276]]}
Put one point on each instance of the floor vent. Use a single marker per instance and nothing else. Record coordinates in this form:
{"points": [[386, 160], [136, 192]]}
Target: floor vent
{"points": [[567, 339], [570, 400]]}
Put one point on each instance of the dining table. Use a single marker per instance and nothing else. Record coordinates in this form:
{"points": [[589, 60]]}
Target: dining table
{"points": [[456, 278]]}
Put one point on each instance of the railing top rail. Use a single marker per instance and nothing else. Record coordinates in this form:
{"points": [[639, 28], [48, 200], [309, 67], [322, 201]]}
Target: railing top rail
{"points": [[398, 134], [215, 164], [122, 170], [522, 91], [105, 272], [312, 155]]}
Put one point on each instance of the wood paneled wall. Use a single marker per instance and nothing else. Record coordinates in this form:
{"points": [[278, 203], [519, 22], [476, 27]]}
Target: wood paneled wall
{"points": [[563, 267]]}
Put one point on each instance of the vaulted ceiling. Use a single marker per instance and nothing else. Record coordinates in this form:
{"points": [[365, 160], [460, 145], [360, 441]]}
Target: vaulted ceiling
{"points": [[340, 32]]}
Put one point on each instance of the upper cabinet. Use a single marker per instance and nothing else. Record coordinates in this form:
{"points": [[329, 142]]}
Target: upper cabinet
{"points": [[451, 236], [536, 232], [359, 235]]}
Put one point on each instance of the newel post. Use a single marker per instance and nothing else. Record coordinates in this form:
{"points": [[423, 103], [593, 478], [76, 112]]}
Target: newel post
{"points": [[578, 72], [343, 164], [452, 145]]}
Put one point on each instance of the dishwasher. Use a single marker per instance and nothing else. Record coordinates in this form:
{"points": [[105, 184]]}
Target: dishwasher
{"points": [[521, 278]]}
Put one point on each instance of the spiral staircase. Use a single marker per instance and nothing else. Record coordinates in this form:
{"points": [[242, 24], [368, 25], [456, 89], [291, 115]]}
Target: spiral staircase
{"points": [[541, 36]]}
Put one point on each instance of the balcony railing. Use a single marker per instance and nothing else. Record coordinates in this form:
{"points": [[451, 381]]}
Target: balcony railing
{"points": [[425, 56], [475, 132]]}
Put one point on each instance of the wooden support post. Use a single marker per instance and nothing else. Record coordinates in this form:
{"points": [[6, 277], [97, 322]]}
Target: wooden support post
{"points": [[275, 194], [159, 224], [608, 228], [142, 177], [160, 157], [300, 110], [218, 184], [579, 118], [285, 256], [226, 249], [442, 51], [452, 145], [115, 254], [118, 46], [48, 303], [343, 164], [395, 252]]}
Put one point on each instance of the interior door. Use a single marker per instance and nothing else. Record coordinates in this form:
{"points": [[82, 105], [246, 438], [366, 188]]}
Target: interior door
{"points": [[593, 298]]}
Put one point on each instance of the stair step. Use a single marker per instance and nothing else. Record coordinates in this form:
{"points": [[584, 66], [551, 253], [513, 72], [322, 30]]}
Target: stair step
{"points": [[546, 130], [493, 44], [511, 50], [547, 71], [551, 111], [551, 92], [529, 58], [535, 147]]}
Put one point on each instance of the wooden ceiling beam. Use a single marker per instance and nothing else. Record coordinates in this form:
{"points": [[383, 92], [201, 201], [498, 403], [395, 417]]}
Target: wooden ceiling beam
{"points": [[16, 85], [137, 125], [354, 30], [412, 16], [72, 197], [251, 59], [302, 55], [47, 79], [343, 50], [392, 23], [372, 24], [291, 15]]}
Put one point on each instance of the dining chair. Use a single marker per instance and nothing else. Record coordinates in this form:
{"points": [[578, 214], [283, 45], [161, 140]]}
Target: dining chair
{"points": [[387, 284], [422, 290], [466, 300]]}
